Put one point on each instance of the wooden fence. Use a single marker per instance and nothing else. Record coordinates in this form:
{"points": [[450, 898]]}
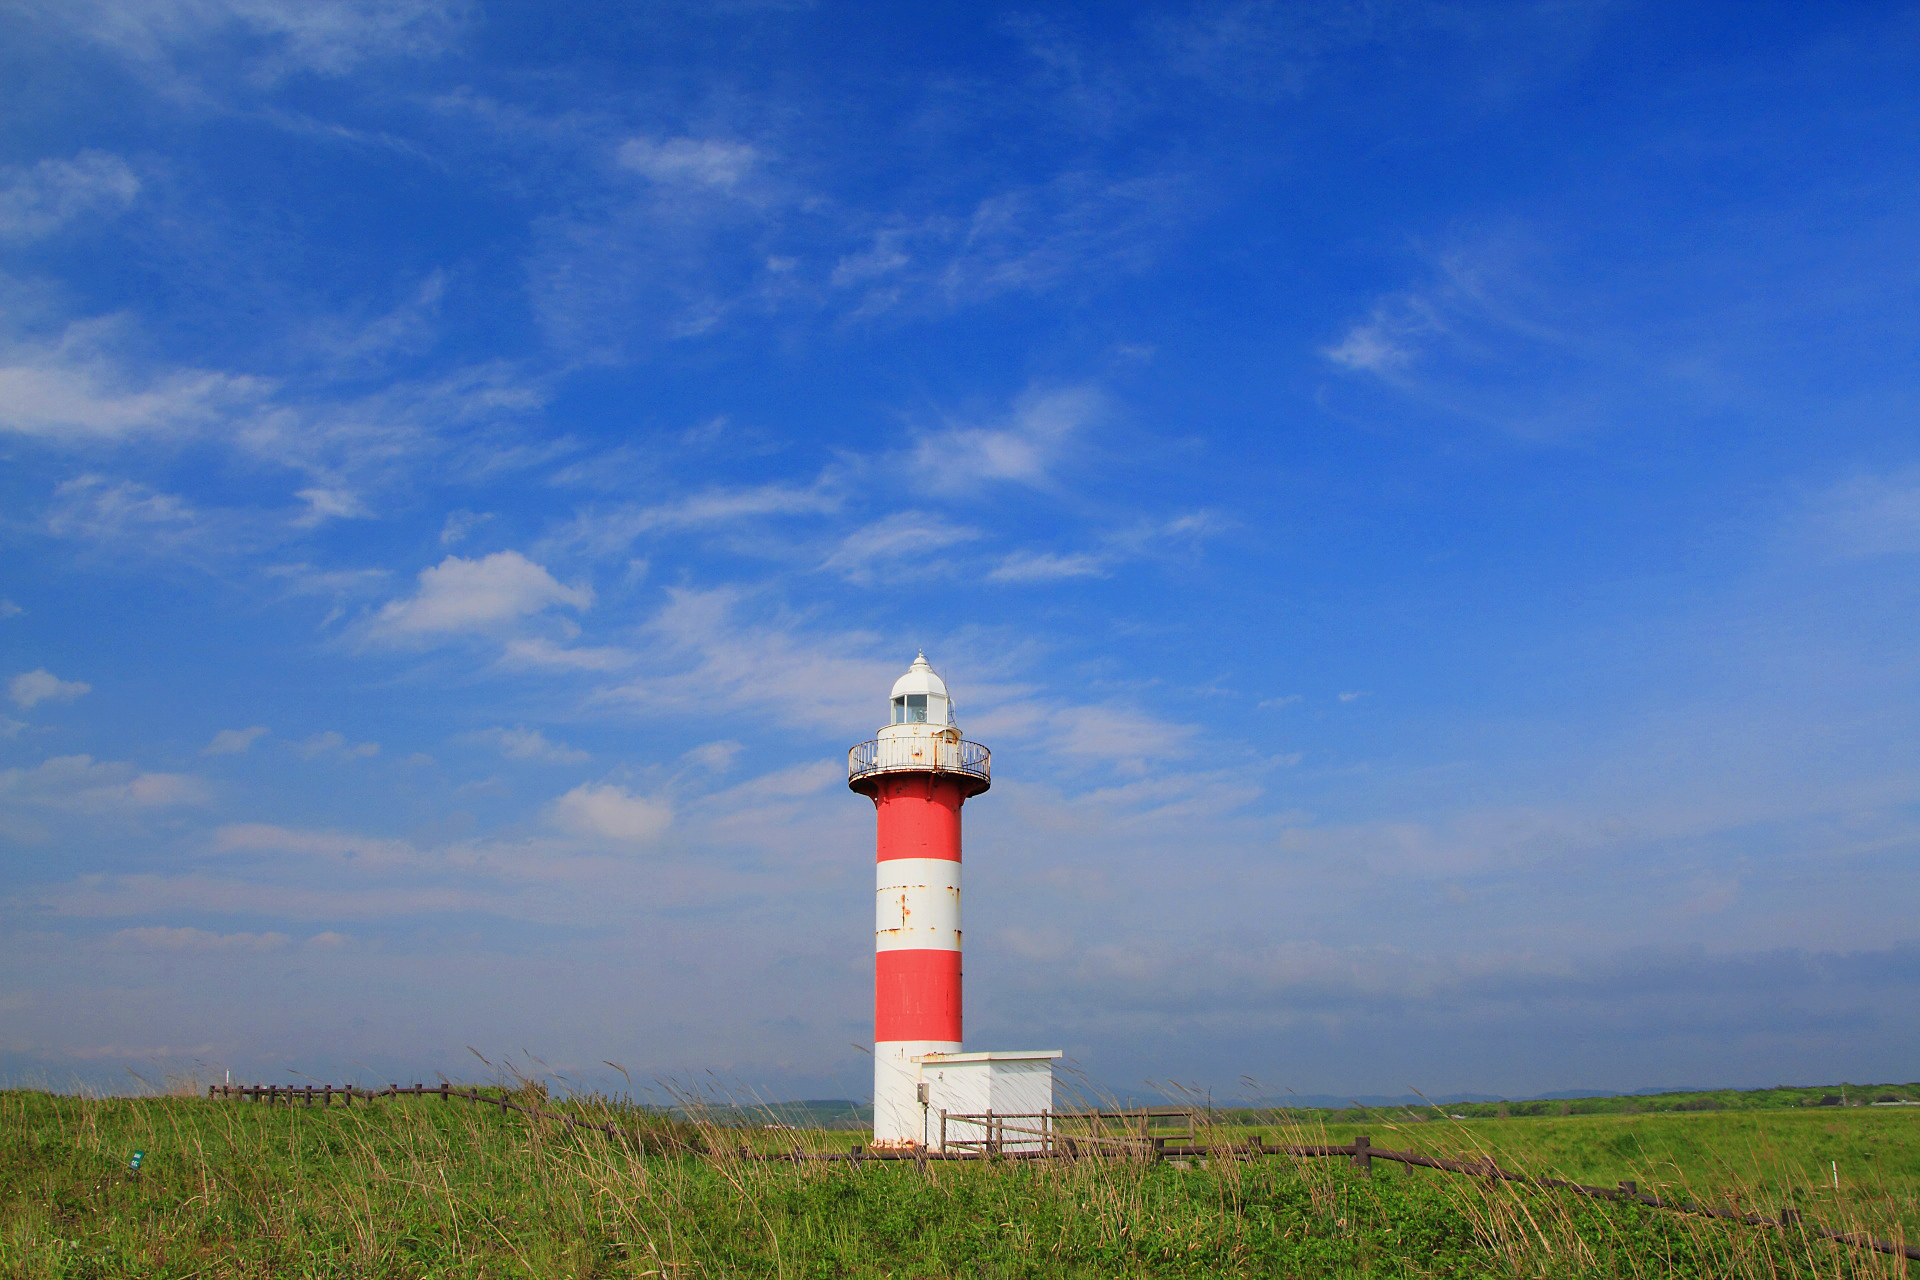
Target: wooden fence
{"points": [[324, 1094], [1042, 1139]]}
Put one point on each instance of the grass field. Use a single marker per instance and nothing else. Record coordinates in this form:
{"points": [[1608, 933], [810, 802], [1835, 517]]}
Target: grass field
{"points": [[409, 1188]]}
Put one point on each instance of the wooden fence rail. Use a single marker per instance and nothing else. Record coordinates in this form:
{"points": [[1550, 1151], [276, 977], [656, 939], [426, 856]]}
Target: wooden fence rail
{"points": [[1361, 1152], [305, 1095]]}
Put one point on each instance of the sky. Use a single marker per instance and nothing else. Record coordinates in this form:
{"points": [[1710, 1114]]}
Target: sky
{"points": [[1422, 501]]}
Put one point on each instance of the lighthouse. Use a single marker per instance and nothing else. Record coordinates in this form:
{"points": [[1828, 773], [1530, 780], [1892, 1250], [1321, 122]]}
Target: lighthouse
{"points": [[918, 772]]}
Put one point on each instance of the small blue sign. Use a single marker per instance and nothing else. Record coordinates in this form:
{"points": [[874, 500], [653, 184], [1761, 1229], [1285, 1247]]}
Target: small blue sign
{"points": [[133, 1165]]}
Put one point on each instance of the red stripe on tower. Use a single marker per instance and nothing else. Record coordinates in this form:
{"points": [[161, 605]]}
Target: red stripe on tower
{"points": [[916, 996], [919, 815]]}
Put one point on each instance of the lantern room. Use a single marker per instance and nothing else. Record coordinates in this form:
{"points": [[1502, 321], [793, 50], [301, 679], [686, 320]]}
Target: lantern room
{"points": [[920, 698]]}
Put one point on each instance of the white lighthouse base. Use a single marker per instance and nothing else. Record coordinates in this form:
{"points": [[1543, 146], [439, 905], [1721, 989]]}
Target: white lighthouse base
{"points": [[900, 1119]]}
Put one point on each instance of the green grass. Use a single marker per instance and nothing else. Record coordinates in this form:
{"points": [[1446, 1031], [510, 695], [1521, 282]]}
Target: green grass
{"points": [[419, 1188]]}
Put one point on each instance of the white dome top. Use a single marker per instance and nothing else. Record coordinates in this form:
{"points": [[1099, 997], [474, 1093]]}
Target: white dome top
{"points": [[919, 679], [919, 702]]}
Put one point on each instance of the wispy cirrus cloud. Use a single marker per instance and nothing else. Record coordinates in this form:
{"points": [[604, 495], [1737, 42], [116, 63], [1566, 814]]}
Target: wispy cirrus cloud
{"points": [[701, 654], [612, 531], [41, 198], [272, 38], [522, 743], [902, 536], [1049, 566], [701, 162], [1027, 446]]}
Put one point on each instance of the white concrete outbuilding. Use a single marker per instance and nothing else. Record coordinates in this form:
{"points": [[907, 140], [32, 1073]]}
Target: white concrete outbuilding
{"points": [[1016, 1086]]}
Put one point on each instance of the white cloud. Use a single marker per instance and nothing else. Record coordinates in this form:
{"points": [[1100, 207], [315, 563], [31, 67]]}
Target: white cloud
{"points": [[1024, 448], [461, 523], [1116, 734], [233, 742], [1354, 696], [478, 595], [773, 670], [161, 938], [334, 743], [717, 756], [901, 536], [612, 813], [32, 687], [328, 36], [1018, 239], [80, 784], [1388, 340], [522, 743], [71, 391], [1029, 566], [8, 609], [705, 162], [40, 199], [94, 507], [329, 504], [611, 532], [537, 652]]}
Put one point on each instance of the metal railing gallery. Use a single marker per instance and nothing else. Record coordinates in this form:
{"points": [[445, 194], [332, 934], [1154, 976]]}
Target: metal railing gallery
{"points": [[928, 754]]}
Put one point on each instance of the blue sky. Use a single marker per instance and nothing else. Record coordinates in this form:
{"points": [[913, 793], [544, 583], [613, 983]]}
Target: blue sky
{"points": [[1422, 500]]}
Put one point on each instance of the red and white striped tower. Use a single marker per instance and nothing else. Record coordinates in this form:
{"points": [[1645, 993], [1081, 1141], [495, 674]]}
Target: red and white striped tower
{"points": [[918, 772]]}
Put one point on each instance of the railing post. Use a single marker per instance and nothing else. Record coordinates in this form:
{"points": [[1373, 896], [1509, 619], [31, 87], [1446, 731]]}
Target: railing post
{"points": [[1629, 1188], [443, 1091], [1362, 1161]]}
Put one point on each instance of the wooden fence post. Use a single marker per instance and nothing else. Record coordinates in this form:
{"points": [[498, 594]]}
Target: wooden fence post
{"points": [[443, 1091], [1362, 1161]]}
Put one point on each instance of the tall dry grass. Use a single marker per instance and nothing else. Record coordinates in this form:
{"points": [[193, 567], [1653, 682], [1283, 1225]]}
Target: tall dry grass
{"points": [[418, 1187]]}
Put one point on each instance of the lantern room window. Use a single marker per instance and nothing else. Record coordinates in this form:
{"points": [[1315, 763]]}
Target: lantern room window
{"points": [[910, 709]]}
